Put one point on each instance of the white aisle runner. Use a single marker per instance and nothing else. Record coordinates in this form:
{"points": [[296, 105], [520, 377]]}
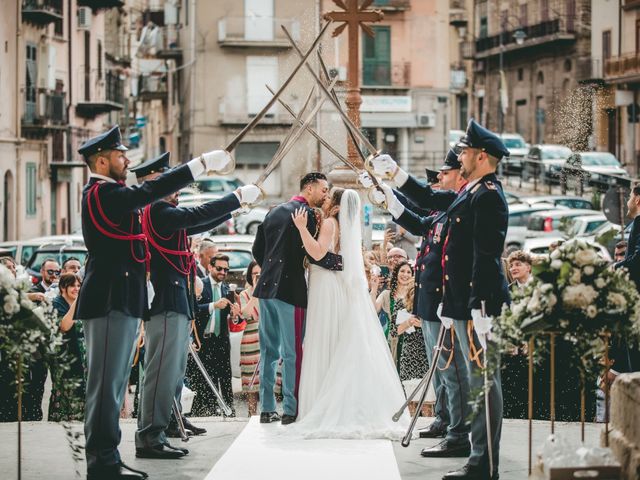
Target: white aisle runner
{"points": [[260, 452]]}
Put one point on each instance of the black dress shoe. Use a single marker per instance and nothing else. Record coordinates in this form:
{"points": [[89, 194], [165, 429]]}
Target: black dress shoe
{"points": [[174, 432], [269, 417], [178, 449], [191, 427], [470, 472], [433, 432], [118, 471], [287, 419], [447, 449], [159, 452]]}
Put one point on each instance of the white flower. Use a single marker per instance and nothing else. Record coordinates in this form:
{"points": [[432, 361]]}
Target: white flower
{"points": [[552, 301], [617, 300], [546, 288], [575, 277], [579, 296], [589, 270], [600, 282], [556, 264], [591, 311], [555, 254], [586, 257], [534, 305]]}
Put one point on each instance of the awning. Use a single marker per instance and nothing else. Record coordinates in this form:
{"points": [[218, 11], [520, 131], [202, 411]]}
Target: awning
{"points": [[388, 119]]}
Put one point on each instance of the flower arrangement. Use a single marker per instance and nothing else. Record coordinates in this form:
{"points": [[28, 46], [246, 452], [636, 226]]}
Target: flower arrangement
{"points": [[581, 298]]}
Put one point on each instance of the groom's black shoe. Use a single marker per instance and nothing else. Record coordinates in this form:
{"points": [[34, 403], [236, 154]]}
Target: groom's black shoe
{"points": [[447, 449], [433, 431], [287, 419], [269, 417], [192, 428]]}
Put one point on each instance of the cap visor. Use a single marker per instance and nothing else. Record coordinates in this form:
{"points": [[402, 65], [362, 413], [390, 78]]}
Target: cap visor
{"points": [[122, 148]]}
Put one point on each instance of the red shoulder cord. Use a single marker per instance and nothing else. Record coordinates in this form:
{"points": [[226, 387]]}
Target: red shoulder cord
{"points": [[119, 234], [186, 261]]}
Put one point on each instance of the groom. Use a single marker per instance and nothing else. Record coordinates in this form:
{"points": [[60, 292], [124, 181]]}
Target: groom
{"points": [[282, 290]]}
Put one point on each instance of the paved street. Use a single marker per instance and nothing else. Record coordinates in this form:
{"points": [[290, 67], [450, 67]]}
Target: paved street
{"points": [[46, 453]]}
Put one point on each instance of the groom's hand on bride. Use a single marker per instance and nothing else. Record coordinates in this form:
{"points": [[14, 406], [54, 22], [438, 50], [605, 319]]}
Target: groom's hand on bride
{"points": [[299, 218]]}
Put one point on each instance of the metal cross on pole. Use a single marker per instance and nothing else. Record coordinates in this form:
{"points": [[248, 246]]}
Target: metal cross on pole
{"points": [[353, 15]]}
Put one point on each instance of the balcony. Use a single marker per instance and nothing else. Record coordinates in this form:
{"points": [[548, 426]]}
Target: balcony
{"points": [[624, 68], [101, 4], [467, 50], [547, 34], [48, 112], [98, 92], [160, 42], [384, 74], [458, 16], [589, 71], [41, 12], [152, 86], [240, 110], [256, 32], [392, 5]]}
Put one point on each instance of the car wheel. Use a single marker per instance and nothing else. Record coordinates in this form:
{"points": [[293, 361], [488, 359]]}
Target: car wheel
{"points": [[252, 228]]}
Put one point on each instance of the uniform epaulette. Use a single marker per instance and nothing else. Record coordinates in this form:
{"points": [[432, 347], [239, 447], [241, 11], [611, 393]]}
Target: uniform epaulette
{"points": [[490, 185], [475, 188]]}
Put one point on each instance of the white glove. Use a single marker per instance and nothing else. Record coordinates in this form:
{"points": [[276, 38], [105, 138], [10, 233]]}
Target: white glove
{"points": [[378, 197], [393, 204], [482, 326], [447, 322], [384, 165], [217, 159], [365, 180], [249, 194]]}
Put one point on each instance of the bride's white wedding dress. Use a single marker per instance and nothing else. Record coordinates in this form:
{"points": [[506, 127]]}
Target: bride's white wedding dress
{"points": [[349, 386]]}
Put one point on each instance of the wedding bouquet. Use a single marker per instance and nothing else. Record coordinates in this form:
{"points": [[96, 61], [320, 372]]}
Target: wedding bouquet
{"points": [[580, 297]]}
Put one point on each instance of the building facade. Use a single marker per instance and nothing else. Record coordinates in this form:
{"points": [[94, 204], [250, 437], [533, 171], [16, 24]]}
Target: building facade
{"points": [[543, 49]]}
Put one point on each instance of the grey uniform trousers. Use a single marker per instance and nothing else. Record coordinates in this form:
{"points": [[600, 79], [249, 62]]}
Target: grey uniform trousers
{"points": [[479, 447], [110, 342], [165, 361]]}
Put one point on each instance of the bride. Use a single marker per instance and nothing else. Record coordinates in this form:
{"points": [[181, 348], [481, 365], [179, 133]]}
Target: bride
{"points": [[349, 386]]}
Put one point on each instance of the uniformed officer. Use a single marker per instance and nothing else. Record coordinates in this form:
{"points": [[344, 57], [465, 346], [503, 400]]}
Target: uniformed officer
{"points": [[114, 297], [167, 226], [474, 284], [450, 378]]}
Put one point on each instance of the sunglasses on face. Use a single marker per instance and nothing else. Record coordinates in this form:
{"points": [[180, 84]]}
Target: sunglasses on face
{"points": [[53, 272], [221, 269]]}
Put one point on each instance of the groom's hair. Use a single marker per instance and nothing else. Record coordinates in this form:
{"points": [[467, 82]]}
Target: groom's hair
{"points": [[311, 177]]}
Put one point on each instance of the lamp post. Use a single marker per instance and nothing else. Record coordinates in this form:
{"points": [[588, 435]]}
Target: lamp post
{"points": [[519, 36]]}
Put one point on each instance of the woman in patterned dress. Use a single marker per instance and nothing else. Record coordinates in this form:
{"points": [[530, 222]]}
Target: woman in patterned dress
{"points": [[250, 346], [67, 401]]}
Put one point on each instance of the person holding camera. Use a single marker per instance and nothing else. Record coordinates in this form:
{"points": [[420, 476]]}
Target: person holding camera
{"points": [[216, 305]]}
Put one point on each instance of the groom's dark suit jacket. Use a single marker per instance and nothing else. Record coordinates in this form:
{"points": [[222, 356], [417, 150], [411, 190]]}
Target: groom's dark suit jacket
{"points": [[279, 251]]}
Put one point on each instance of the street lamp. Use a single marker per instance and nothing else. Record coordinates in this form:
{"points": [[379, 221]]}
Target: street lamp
{"points": [[519, 36]]}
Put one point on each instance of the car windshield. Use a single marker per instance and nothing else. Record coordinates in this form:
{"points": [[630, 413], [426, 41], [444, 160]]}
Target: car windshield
{"points": [[599, 160], [514, 142], [549, 153], [238, 259], [36, 261]]}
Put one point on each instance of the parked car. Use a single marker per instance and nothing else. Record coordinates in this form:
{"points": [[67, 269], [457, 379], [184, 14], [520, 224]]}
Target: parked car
{"points": [[518, 150], [585, 224], [553, 222], [512, 198], [238, 248], [518, 221], [541, 246], [608, 234], [22, 250], [59, 251], [604, 169], [217, 185], [248, 223], [540, 160], [559, 201], [455, 136]]}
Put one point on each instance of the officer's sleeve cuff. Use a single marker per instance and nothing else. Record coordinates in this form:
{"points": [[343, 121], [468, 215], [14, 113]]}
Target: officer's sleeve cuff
{"points": [[196, 166], [396, 209], [211, 308], [401, 177]]}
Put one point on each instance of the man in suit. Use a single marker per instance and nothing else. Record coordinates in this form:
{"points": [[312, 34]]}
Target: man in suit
{"points": [[167, 329], [450, 378], [519, 264], [50, 272], [215, 307], [282, 291], [116, 294], [474, 288], [206, 251]]}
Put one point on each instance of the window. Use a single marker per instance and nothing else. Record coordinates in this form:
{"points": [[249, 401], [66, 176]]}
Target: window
{"points": [[571, 15], [520, 74], [58, 24], [606, 45], [544, 10], [31, 188], [99, 60], [376, 57], [484, 29], [255, 153], [567, 65], [31, 82], [260, 71], [523, 14], [637, 35], [540, 78]]}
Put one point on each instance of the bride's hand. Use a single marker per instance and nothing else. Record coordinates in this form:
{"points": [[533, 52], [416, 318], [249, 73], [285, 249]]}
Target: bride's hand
{"points": [[300, 218]]}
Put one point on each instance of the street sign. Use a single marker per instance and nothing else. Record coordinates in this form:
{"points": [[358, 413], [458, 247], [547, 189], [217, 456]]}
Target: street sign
{"points": [[141, 121]]}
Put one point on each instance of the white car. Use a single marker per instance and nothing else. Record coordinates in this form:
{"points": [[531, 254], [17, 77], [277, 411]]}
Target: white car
{"points": [[518, 220], [455, 136], [604, 168], [585, 225], [22, 250], [553, 222], [518, 149], [540, 246], [542, 160], [248, 222]]}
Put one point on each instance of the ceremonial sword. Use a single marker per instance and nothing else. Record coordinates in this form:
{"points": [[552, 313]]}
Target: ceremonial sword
{"points": [[176, 412], [487, 414], [225, 408]]}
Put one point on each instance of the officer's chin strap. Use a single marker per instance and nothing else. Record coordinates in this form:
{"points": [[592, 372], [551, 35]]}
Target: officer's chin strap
{"points": [[474, 353], [194, 331]]}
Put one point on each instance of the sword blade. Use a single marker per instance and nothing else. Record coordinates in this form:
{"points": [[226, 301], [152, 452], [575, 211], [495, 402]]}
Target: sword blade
{"points": [[270, 103], [205, 374], [275, 161], [336, 103], [316, 135], [176, 413]]}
